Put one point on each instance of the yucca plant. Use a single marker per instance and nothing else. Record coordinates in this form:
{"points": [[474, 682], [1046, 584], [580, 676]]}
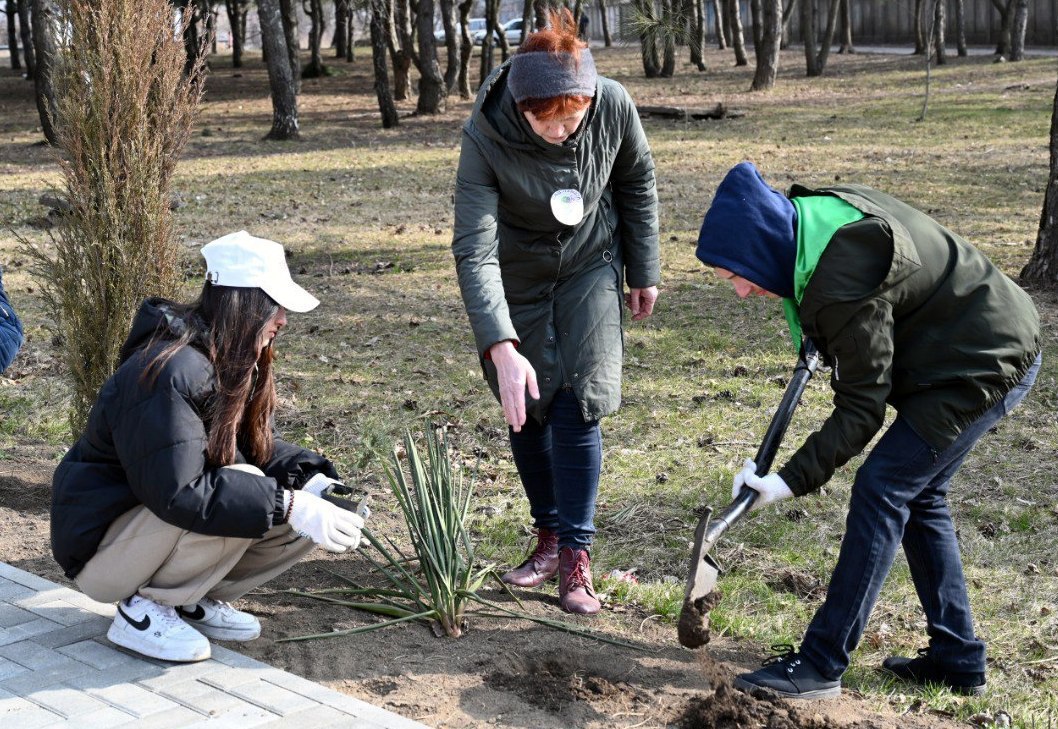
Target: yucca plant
{"points": [[442, 579]]}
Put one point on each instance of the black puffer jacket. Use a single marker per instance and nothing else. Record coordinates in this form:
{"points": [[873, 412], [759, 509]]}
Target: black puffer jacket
{"points": [[147, 445]]}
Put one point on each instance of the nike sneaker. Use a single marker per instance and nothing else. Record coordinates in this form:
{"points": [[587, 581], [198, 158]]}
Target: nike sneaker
{"points": [[154, 630], [220, 621]]}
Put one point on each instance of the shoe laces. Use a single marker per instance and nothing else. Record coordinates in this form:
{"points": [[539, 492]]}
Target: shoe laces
{"points": [[167, 614], [546, 542], [579, 576], [784, 651]]}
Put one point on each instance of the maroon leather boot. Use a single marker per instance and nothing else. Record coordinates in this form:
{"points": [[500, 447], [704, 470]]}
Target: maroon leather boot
{"points": [[574, 582], [541, 565]]}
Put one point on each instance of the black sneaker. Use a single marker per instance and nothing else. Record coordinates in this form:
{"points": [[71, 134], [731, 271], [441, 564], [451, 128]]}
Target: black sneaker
{"points": [[789, 675], [923, 670]]}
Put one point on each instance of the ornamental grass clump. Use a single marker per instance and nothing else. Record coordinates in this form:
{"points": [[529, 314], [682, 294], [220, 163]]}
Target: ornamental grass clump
{"points": [[439, 584], [436, 583]]}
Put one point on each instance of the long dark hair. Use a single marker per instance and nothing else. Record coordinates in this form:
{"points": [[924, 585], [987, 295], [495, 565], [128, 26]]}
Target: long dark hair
{"points": [[226, 323]]}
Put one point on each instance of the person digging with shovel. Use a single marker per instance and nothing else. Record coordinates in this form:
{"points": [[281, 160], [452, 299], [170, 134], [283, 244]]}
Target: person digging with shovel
{"points": [[178, 498], [906, 313]]}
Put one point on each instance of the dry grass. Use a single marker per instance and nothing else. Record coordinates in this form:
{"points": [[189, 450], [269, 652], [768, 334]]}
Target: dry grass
{"points": [[367, 214]]}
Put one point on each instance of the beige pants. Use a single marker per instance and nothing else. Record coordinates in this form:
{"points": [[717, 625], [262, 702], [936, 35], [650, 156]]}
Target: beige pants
{"points": [[142, 554]]}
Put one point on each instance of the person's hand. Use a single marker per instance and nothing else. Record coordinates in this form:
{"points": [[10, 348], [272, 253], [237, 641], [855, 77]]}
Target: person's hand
{"points": [[641, 302], [771, 488], [319, 483], [515, 375], [332, 527]]}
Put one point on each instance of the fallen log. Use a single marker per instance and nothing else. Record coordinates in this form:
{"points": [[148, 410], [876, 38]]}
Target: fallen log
{"points": [[720, 111]]}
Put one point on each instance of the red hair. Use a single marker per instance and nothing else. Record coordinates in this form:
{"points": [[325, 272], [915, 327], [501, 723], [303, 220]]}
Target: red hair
{"points": [[559, 36]]}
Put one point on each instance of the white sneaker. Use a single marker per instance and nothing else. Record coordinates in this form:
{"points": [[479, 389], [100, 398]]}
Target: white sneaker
{"points": [[220, 621], [154, 630]]}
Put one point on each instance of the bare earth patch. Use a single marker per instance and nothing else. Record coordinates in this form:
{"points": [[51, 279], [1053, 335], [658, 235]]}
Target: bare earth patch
{"points": [[507, 673]]}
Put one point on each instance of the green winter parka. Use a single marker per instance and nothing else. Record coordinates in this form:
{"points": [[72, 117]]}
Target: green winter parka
{"points": [[910, 314], [555, 290]]}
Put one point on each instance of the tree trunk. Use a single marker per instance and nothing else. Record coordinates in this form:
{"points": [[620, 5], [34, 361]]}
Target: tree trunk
{"points": [[209, 16], [289, 13], [648, 39], [733, 13], [466, 48], [755, 20], [25, 26], [453, 44], [379, 42], [399, 50], [350, 33], [1006, 22], [607, 38], [787, 13], [341, 29], [1042, 268], [767, 50], [668, 56], [317, 23], [808, 36], [719, 25], [237, 21], [12, 34], [920, 33], [960, 29], [433, 92], [46, 18], [280, 74], [1017, 31], [938, 32], [828, 38], [692, 11], [540, 9], [846, 28]]}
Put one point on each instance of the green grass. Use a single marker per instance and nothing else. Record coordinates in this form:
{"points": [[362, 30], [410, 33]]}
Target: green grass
{"points": [[367, 215]]}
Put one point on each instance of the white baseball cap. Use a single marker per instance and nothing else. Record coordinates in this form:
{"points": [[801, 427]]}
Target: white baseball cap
{"points": [[241, 260]]}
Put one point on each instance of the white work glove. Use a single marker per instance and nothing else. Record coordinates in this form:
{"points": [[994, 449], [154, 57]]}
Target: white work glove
{"points": [[771, 487], [318, 484], [332, 527]]}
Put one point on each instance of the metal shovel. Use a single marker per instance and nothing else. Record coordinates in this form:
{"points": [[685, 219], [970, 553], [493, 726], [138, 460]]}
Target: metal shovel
{"points": [[699, 597]]}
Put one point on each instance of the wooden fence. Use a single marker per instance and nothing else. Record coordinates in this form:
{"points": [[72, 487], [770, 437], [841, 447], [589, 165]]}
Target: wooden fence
{"points": [[874, 22]]}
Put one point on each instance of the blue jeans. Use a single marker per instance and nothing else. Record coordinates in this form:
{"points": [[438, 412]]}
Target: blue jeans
{"points": [[559, 464], [899, 498]]}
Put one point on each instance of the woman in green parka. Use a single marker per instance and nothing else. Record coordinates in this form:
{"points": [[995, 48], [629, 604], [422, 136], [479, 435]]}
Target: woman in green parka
{"points": [[555, 213]]}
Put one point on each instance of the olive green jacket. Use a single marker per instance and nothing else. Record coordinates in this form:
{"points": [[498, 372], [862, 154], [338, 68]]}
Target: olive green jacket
{"points": [[556, 290], [910, 314]]}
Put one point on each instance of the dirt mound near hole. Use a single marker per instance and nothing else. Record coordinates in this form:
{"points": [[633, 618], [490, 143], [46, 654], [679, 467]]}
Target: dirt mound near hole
{"points": [[551, 684]]}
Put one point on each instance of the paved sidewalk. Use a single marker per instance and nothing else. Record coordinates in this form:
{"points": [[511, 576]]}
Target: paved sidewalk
{"points": [[57, 669]]}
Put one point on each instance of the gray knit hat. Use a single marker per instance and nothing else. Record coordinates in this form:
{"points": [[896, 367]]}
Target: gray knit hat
{"points": [[545, 75]]}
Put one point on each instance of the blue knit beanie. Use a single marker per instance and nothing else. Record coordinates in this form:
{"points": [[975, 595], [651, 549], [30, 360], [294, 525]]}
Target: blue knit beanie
{"points": [[750, 230]]}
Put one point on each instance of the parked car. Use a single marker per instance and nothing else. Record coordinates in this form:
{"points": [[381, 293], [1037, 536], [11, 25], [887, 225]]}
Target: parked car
{"points": [[512, 29], [475, 26]]}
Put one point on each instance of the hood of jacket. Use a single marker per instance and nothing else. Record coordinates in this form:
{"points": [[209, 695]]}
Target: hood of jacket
{"points": [[156, 318]]}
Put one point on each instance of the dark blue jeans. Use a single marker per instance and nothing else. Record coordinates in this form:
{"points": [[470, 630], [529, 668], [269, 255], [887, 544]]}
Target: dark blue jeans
{"points": [[899, 497], [559, 464]]}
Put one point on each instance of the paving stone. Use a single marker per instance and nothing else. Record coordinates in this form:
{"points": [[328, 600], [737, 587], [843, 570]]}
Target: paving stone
{"points": [[39, 584], [9, 669], [96, 654], [11, 615], [26, 630], [272, 697], [316, 716], [202, 697], [177, 718], [232, 677], [243, 716], [31, 655], [96, 627], [66, 701], [133, 699], [60, 611], [11, 591], [101, 678], [17, 712], [31, 681], [106, 718], [172, 673]]}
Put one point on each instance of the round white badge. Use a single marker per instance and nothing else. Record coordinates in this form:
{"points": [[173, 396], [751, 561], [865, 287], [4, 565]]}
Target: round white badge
{"points": [[567, 206]]}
